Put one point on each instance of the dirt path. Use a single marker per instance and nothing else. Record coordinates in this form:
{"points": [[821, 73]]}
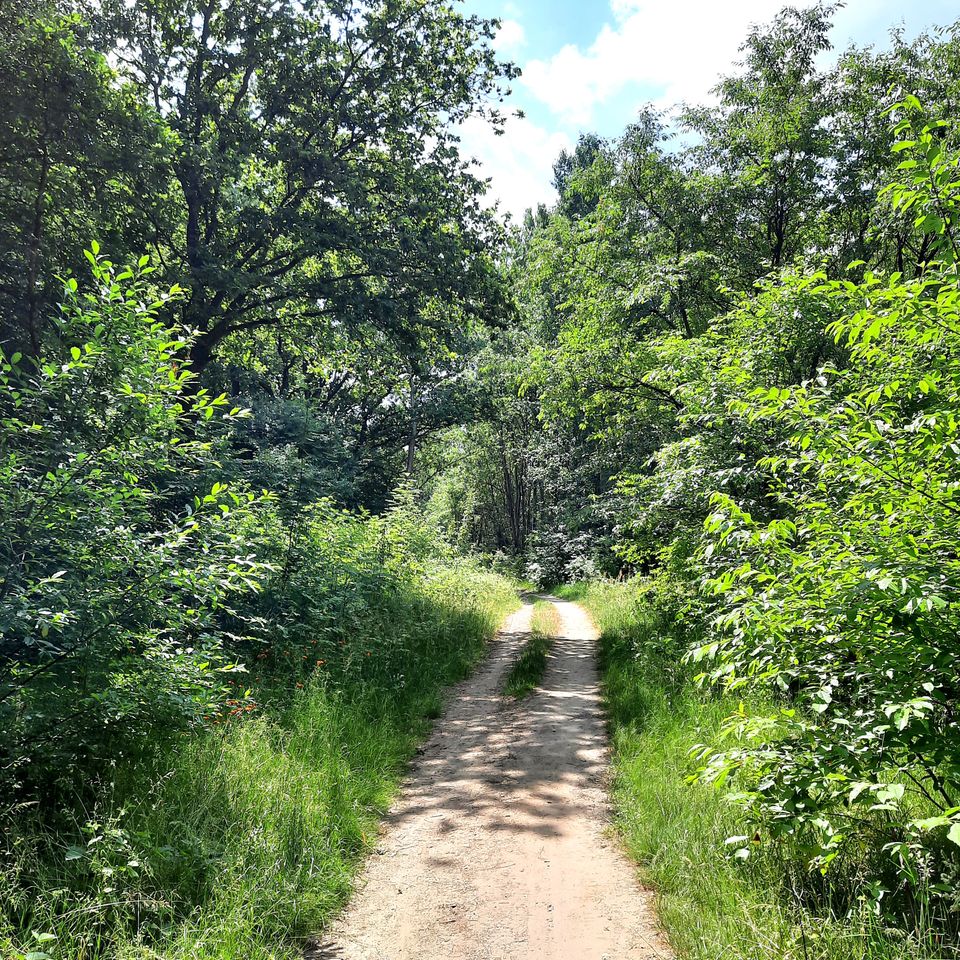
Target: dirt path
{"points": [[497, 848]]}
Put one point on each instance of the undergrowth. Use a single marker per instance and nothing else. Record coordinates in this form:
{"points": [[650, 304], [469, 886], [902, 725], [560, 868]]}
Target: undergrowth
{"points": [[243, 840], [527, 672], [768, 906]]}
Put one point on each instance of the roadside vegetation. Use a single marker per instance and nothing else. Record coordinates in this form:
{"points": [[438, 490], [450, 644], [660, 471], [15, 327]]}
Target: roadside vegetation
{"points": [[285, 406], [213, 703], [242, 841], [215, 695], [527, 672], [713, 901]]}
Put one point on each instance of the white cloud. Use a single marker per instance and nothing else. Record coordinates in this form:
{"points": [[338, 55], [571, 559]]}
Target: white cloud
{"points": [[510, 36], [517, 162], [675, 50]]}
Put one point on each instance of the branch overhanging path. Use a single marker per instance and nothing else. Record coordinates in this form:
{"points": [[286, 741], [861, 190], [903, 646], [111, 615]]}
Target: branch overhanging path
{"points": [[498, 847]]}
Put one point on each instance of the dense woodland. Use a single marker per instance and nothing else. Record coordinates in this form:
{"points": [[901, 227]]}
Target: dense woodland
{"points": [[286, 410]]}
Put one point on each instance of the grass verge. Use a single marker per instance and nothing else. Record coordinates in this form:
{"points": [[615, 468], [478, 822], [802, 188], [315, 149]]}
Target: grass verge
{"points": [[244, 841], [713, 907], [527, 672]]}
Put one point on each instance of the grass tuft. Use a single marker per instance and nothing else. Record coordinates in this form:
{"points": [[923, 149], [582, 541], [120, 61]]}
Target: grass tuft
{"points": [[527, 672]]}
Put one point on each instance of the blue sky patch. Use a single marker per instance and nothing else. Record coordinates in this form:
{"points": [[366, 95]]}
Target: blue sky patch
{"points": [[592, 65]]}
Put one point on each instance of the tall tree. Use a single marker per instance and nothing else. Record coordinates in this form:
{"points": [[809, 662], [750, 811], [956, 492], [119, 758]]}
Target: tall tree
{"points": [[315, 172], [768, 133]]}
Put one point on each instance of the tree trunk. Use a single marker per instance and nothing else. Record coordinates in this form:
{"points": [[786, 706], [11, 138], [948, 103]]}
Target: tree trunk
{"points": [[412, 434]]}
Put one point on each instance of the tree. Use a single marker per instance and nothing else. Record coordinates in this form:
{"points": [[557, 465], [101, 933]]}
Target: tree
{"points": [[76, 153], [315, 172], [767, 133], [575, 201], [847, 602]]}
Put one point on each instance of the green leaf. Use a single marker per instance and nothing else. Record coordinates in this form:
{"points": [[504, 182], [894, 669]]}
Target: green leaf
{"points": [[931, 823], [953, 834]]}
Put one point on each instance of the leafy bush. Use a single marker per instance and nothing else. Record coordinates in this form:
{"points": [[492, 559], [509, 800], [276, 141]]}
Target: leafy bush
{"points": [[116, 567], [712, 902], [302, 648], [847, 603]]}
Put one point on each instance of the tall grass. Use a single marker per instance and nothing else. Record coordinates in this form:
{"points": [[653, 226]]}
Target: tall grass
{"points": [[767, 907], [244, 840], [527, 672]]}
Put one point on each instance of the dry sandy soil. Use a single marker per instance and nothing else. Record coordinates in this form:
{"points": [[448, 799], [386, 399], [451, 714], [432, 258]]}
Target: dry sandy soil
{"points": [[498, 846]]}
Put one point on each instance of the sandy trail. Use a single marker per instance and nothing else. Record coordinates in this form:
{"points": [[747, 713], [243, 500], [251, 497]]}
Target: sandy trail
{"points": [[497, 848]]}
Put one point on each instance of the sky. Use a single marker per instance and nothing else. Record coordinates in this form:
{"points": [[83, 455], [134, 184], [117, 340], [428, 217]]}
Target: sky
{"points": [[589, 65]]}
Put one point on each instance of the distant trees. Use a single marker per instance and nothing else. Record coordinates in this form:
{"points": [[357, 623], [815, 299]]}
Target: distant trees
{"points": [[659, 238], [568, 165], [741, 348]]}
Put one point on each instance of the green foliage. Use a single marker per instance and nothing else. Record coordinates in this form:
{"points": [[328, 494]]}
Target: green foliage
{"points": [[76, 151], [655, 307], [313, 178], [207, 696], [117, 567], [207, 693], [846, 603], [712, 901], [302, 182], [776, 337]]}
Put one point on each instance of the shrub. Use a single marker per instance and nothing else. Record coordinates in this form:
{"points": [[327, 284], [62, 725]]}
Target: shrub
{"points": [[847, 603], [116, 571]]}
